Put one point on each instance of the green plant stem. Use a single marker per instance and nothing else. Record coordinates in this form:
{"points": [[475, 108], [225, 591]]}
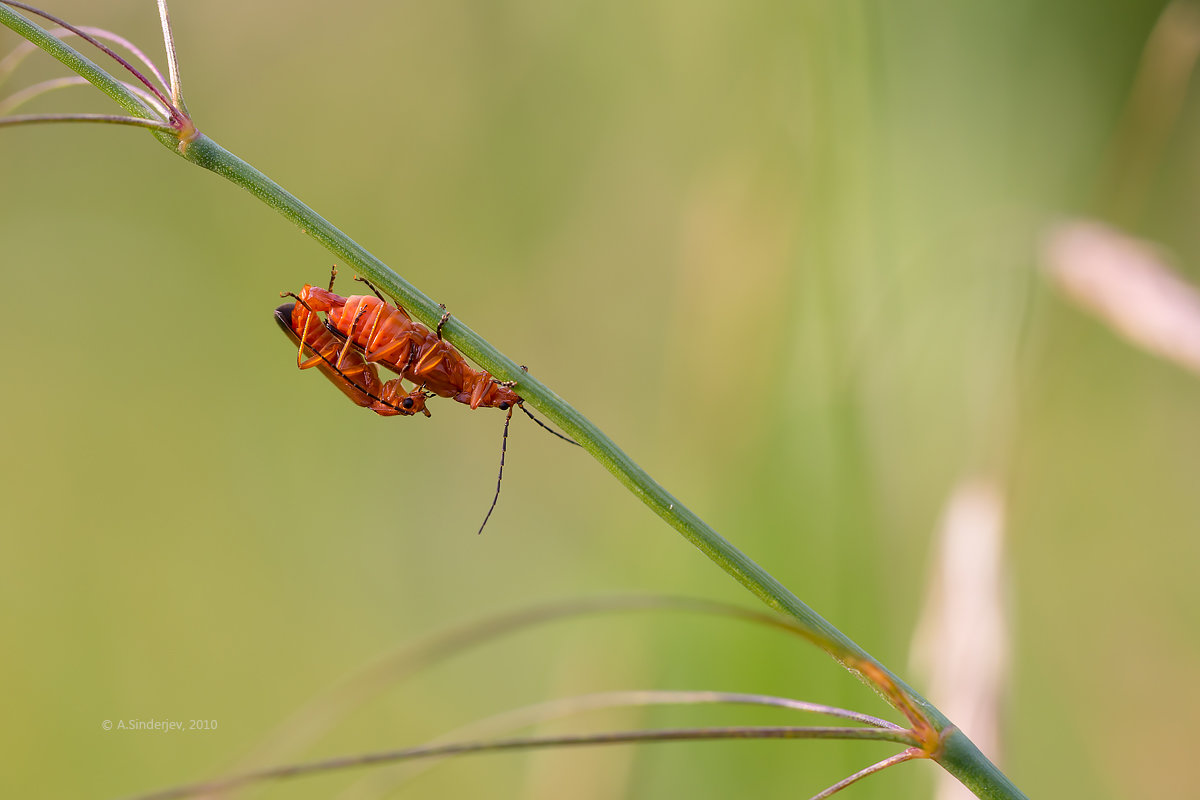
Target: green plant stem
{"points": [[960, 757], [208, 154], [965, 761]]}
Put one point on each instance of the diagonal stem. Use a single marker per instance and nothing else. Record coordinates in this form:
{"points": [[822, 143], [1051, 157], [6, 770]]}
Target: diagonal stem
{"points": [[953, 750], [962, 759]]}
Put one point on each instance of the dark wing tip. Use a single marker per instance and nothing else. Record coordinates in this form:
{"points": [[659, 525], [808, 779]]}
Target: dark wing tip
{"points": [[283, 315]]}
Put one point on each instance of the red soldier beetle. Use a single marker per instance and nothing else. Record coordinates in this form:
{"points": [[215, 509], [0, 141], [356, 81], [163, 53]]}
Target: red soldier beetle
{"points": [[359, 332]]}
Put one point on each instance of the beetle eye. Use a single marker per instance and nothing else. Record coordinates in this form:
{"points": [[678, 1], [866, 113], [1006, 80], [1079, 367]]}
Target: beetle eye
{"points": [[503, 406], [408, 402]]}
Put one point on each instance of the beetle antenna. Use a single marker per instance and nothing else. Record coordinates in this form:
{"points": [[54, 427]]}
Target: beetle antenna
{"points": [[500, 477], [544, 426]]}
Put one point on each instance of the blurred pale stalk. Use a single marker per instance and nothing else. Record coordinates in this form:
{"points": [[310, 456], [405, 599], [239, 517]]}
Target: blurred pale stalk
{"points": [[961, 643], [1155, 101], [1127, 283]]}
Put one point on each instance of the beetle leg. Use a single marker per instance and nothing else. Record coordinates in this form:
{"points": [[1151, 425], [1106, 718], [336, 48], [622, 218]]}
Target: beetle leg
{"points": [[350, 336], [442, 322]]}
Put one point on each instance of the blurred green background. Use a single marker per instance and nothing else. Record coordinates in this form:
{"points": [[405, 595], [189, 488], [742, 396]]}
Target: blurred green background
{"points": [[783, 252]]}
